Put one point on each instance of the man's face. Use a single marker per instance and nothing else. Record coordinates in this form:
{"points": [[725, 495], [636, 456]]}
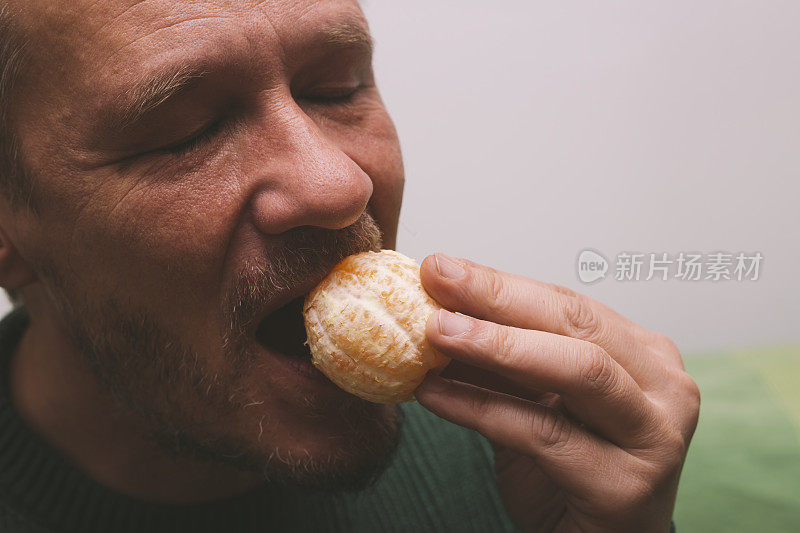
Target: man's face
{"points": [[198, 165]]}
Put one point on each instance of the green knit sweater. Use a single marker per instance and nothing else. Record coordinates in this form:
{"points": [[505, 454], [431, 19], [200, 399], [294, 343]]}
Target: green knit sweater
{"points": [[440, 480]]}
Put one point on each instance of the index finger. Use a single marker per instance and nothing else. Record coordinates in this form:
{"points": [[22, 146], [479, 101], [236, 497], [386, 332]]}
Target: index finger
{"points": [[513, 300]]}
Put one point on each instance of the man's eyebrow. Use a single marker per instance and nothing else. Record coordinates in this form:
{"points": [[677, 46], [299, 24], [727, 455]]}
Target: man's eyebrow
{"points": [[146, 96], [350, 33]]}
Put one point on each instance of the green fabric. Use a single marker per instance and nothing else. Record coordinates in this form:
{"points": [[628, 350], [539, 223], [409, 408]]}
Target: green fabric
{"points": [[442, 479], [742, 473]]}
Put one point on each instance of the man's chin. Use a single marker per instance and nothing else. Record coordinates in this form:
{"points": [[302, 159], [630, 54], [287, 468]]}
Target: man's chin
{"points": [[349, 459], [347, 466]]}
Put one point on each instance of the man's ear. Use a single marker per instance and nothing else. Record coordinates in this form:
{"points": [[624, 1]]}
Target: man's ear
{"points": [[14, 270]]}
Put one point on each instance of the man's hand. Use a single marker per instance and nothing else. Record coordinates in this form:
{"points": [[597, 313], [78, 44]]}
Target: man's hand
{"points": [[590, 414]]}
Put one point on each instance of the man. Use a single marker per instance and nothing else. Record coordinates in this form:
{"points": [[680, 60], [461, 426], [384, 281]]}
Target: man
{"points": [[176, 175]]}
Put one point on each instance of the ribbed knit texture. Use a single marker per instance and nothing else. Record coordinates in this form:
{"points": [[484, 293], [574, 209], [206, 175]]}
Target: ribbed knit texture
{"points": [[441, 479]]}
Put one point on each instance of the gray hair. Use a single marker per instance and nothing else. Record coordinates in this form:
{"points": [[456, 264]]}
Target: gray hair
{"points": [[14, 183]]}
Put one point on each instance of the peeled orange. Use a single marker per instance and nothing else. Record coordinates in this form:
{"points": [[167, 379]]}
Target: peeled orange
{"points": [[366, 327]]}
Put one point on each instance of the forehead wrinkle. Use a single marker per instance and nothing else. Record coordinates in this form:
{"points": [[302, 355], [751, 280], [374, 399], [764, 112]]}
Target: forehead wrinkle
{"points": [[133, 5], [153, 32]]}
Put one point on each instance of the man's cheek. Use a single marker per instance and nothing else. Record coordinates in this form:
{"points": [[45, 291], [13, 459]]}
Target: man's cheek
{"points": [[176, 235], [155, 257]]}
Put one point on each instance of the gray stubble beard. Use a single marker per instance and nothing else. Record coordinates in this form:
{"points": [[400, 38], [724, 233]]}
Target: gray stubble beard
{"points": [[175, 392]]}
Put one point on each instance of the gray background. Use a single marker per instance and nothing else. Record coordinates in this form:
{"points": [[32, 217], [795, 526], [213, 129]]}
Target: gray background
{"points": [[533, 130]]}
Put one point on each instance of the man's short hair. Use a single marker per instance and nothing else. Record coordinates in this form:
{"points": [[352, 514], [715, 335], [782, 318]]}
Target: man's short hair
{"points": [[14, 182]]}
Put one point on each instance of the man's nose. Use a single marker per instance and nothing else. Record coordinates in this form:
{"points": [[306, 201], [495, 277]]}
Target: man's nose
{"points": [[306, 180]]}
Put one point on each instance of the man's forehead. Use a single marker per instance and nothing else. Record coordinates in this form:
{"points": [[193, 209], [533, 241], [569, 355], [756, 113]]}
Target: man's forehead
{"points": [[91, 32], [91, 16]]}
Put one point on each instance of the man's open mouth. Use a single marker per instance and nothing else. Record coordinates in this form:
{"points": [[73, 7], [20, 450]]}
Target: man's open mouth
{"points": [[282, 335], [284, 331], [280, 326]]}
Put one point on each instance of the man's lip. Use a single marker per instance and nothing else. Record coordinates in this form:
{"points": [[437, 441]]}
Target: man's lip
{"points": [[286, 297], [302, 367]]}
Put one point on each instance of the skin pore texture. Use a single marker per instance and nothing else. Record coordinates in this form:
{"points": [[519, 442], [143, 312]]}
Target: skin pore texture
{"points": [[196, 165]]}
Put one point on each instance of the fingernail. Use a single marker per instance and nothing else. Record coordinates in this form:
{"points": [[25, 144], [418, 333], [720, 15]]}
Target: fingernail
{"points": [[449, 267], [452, 325]]}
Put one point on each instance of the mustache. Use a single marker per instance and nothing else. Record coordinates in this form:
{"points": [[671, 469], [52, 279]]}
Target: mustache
{"points": [[297, 255]]}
